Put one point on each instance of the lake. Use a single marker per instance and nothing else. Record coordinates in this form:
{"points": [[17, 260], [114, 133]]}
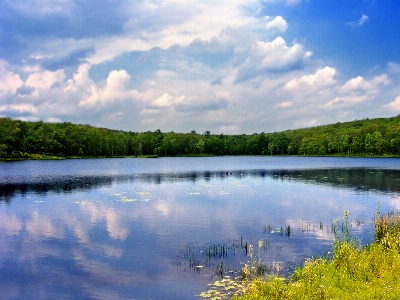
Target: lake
{"points": [[128, 228]]}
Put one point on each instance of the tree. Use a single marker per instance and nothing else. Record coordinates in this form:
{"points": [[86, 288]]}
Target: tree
{"points": [[278, 144], [374, 143], [200, 146], [252, 146]]}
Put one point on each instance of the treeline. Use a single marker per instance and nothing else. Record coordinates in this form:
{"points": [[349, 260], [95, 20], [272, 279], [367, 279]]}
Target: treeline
{"points": [[379, 136]]}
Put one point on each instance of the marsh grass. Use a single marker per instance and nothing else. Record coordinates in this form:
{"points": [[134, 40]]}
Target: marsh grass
{"points": [[351, 272], [387, 229], [229, 286]]}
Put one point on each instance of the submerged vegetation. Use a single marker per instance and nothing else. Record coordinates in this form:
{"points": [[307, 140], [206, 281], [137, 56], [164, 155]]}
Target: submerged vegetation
{"points": [[40, 140], [351, 272]]}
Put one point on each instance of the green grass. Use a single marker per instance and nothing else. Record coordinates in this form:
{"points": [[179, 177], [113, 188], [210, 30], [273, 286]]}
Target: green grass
{"points": [[353, 271]]}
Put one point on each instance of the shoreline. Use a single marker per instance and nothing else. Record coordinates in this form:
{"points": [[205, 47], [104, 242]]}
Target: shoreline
{"points": [[54, 157]]}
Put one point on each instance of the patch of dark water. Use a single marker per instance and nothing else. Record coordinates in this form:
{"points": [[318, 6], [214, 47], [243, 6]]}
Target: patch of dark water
{"points": [[358, 179]]}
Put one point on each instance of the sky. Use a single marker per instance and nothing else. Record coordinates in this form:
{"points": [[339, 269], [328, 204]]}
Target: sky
{"points": [[232, 67]]}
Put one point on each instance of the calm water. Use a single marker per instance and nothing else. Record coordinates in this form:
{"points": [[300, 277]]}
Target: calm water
{"points": [[140, 228]]}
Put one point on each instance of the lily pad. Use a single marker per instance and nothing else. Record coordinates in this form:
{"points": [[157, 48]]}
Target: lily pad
{"points": [[128, 200], [83, 202]]}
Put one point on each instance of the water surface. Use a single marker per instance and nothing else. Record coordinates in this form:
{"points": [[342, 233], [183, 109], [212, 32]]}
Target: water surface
{"points": [[164, 228]]}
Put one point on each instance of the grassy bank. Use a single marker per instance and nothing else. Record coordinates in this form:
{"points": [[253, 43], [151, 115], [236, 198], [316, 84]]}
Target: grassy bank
{"points": [[353, 271]]}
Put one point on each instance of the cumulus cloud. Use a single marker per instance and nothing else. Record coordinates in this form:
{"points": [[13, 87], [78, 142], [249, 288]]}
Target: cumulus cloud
{"points": [[44, 80], [79, 79], [9, 81], [358, 90], [360, 84], [126, 27], [394, 105], [277, 23], [312, 82], [163, 101], [117, 82], [112, 98], [196, 103], [169, 23], [271, 57]]}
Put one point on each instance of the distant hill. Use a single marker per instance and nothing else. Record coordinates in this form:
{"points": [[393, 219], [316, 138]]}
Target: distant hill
{"points": [[368, 137]]}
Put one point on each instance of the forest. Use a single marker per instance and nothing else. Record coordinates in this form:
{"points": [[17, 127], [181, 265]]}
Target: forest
{"points": [[30, 140]]}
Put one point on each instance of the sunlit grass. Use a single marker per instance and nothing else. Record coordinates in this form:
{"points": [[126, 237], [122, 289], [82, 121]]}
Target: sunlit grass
{"points": [[352, 272]]}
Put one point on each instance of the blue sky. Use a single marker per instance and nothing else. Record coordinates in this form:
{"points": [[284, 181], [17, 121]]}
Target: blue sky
{"points": [[223, 66]]}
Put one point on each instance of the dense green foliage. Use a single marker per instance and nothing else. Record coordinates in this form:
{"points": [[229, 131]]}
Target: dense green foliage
{"points": [[353, 272], [365, 137]]}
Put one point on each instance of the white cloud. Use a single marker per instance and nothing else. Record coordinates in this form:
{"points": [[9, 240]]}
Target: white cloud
{"points": [[109, 48], [206, 65], [278, 22], [343, 101], [274, 56], [79, 79], [115, 89], [362, 20], [199, 101], [358, 90], [360, 84], [312, 82], [9, 81], [117, 81], [394, 105], [359, 22], [284, 104], [44, 80], [163, 101], [169, 23]]}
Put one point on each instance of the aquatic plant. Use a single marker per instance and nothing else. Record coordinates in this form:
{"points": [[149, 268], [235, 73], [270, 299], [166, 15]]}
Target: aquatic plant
{"points": [[277, 230], [228, 286], [224, 289], [387, 229], [215, 259]]}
